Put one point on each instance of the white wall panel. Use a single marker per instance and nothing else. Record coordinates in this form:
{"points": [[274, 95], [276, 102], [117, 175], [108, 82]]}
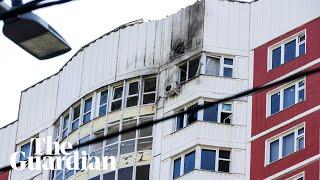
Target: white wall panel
{"points": [[207, 175], [7, 145], [226, 27], [37, 108], [272, 18]]}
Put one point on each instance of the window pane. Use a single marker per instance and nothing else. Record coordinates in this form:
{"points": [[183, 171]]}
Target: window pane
{"points": [[226, 107], [274, 151], [224, 154], [113, 128], [147, 131], [300, 143], [289, 97], [125, 173], [87, 105], [150, 84], [111, 150], [227, 72], [132, 101], [226, 117], [26, 149], [290, 51], [275, 103], [133, 88], [76, 112], [84, 148], [189, 162], [192, 116], [75, 125], [276, 57], [109, 176], [302, 49], [116, 105], [288, 144], [208, 159], [143, 172], [213, 66], [193, 68], [66, 121], [104, 97], [127, 125], [224, 166], [211, 113], [179, 124], [176, 168], [144, 144], [228, 61], [127, 147], [117, 92], [103, 110], [86, 118], [301, 95], [149, 98], [183, 72], [95, 178], [301, 131]]}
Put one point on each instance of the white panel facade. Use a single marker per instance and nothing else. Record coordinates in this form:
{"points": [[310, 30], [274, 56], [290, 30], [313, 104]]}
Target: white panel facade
{"points": [[272, 18], [8, 144]]}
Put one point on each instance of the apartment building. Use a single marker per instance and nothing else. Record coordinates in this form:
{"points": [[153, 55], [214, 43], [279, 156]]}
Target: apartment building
{"points": [[143, 71]]}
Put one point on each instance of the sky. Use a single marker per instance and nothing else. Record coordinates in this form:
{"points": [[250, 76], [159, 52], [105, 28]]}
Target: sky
{"points": [[79, 22]]}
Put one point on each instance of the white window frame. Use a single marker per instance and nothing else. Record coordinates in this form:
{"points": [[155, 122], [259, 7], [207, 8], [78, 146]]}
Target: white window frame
{"points": [[133, 95], [146, 93], [187, 72], [296, 177], [57, 131], [68, 127], [280, 138], [83, 108], [98, 94], [282, 43], [121, 98], [72, 117], [222, 65], [281, 91]]}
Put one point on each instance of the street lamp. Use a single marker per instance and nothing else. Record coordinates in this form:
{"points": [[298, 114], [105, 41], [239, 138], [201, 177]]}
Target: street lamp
{"points": [[34, 35]]}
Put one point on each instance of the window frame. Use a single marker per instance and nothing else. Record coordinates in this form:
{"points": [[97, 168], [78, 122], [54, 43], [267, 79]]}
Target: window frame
{"points": [[143, 93], [280, 138], [187, 62], [83, 113], [282, 44], [297, 176], [281, 91], [222, 64], [99, 106], [132, 95], [78, 118], [114, 87], [67, 128]]}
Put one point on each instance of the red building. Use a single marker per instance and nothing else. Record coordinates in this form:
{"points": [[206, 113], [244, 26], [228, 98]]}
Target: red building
{"points": [[285, 133], [4, 175]]}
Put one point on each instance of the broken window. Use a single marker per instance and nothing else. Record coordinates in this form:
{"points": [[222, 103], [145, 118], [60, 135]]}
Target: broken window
{"points": [[117, 98], [133, 94], [221, 113], [213, 66], [149, 90], [189, 70], [193, 115]]}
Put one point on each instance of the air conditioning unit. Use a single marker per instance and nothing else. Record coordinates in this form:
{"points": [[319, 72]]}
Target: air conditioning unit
{"points": [[173, 88]]}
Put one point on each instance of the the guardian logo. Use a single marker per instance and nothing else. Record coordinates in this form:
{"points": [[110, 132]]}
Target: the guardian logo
{"points": [[49, 155]]}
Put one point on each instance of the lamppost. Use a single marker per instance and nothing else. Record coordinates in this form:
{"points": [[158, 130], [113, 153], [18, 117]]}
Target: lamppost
{"points": [[33, 34]]}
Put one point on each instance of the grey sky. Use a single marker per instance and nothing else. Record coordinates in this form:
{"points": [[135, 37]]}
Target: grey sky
{"points": [[78, 22]]}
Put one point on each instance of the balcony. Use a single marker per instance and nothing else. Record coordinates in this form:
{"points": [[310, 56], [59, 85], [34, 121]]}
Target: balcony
{"points": [[204, 133]]}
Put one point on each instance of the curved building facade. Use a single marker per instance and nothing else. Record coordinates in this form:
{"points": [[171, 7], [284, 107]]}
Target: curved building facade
{"points": [[142, 71]]}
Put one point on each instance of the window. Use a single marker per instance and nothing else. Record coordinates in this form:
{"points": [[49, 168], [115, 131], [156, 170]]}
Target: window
{"points": [[176, 168], [227, 67], [208, 159], [193, 115], [109, 176], [117, 98], [76, 118], [95, 178], [28, 151], [57, 132], [180, 121], [133, 94], [288, 51], [287, 97], [96, 149], [297, 177], [285, 144], [103, 104], [224, 161], [189, 162], [84, 148], [219, 66], [147, 131], [149, 90], [142, 172], [221, 113], [65, 125], [189, 70], [87, 110], [127, 140], [125, 173], [112, 143]]}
